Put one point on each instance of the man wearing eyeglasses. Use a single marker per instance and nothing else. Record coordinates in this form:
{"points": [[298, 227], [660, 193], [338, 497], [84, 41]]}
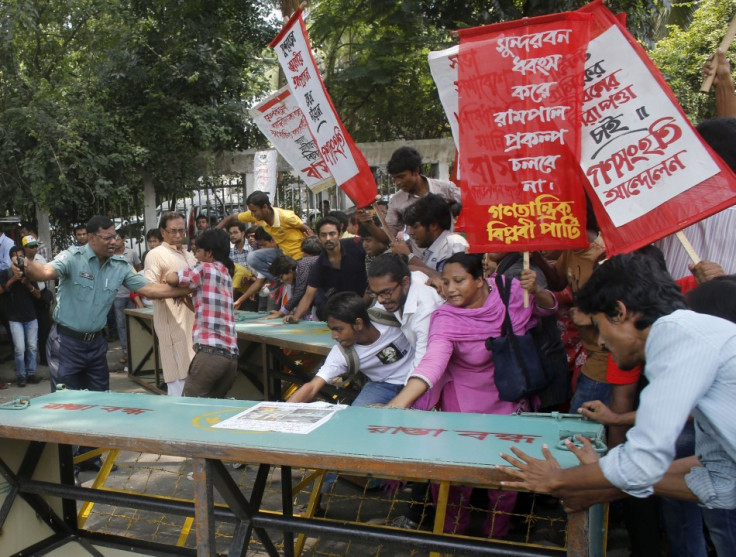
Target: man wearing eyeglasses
{"points": [[89, 277], [173, 322], [405, 296]]}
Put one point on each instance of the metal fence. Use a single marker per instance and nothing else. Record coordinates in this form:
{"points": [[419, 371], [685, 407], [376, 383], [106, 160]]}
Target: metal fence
{"points": [[216, 198]]}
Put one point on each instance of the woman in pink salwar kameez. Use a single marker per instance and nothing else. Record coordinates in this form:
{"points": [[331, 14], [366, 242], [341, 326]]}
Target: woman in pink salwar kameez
{"points": [[456, 373]]}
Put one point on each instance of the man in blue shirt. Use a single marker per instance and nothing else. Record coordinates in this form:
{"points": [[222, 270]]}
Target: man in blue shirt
{"points": [[5, 245], [240, 249], [89, 277], [690, 359]]}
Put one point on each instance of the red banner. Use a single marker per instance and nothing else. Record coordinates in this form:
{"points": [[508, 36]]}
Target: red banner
{"points": [[520, 87], [345, 161], [650, 173]]}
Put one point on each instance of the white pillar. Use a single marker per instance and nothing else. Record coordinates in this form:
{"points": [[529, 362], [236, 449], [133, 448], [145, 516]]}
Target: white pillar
{"points": [[149, 203], [250, 182], [443, 170]]}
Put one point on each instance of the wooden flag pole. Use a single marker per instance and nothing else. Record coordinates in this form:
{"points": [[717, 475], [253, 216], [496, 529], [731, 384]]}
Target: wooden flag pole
{"points": [[695, 258], [525, 255], [725, 43]]}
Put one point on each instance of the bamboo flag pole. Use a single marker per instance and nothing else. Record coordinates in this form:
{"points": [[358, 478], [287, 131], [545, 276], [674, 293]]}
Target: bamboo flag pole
{"points": [[688, 247], [725, 43], [525, 255]]}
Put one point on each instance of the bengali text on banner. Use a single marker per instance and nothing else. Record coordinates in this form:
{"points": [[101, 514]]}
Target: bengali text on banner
{"points": [[649, 173], [344, 160], [520, 95], [282, 121]]}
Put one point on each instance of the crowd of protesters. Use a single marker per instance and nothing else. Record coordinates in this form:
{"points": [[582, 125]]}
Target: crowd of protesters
{"points": [[650, 341]]}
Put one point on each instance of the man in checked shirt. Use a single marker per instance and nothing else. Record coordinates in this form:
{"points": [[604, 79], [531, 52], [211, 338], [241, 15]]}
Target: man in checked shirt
{"points": [[214, 367]]}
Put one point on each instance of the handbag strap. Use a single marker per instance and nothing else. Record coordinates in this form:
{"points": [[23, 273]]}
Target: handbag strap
{"points": [[504, 291], [383, 316]]}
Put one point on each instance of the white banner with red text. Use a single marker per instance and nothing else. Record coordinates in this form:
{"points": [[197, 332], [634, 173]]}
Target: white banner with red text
{"points": [[647, 172], [282, 121], [345, 161], [265, 172]]}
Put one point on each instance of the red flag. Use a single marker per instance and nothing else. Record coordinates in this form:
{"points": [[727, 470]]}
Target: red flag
{"points": [[345, 161], [520, 92], [650, 173]]}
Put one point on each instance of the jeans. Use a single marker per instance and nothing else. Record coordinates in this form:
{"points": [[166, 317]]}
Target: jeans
{"points": [[683, 520], [376, 392], [589, 389], [260, 260], [120, 305], [721, 525], [25, 345]]}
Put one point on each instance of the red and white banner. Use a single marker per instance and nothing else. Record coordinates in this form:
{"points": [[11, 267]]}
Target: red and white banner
{"points": [[650, 173], [282, 121], [520, 92], [346, 163]]}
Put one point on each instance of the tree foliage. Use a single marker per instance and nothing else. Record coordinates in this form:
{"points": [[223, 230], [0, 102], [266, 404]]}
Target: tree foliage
{"points": [[375, 54], [375, 67], [94, 94], [680, 56]]}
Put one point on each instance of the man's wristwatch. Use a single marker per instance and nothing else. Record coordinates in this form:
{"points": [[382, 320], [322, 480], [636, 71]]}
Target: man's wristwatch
{"points": [[411, 256]]}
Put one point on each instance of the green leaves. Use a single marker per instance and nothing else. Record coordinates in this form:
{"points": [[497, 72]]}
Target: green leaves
{"points": [[683, 52], [92, 94]]}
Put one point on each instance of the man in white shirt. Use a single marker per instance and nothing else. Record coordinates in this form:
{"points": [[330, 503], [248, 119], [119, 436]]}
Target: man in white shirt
{"points": [[712, 237], [172, 321], [428, 223], [30, 229], [691, 367], [405, 296]]}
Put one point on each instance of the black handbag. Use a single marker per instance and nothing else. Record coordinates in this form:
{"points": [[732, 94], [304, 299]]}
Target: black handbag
{"points": [[519, 369]]}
